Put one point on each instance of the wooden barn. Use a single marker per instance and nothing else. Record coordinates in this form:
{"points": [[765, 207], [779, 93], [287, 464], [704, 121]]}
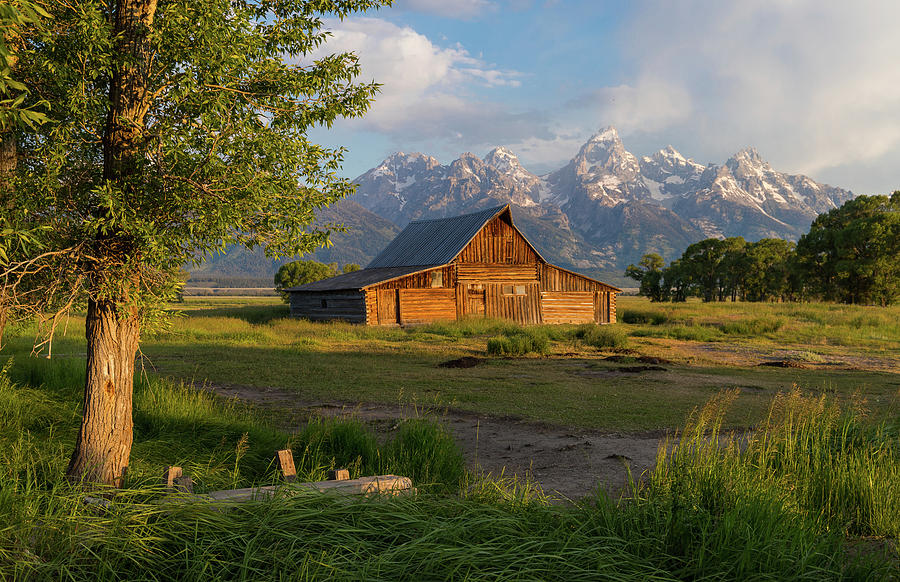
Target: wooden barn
{"points": [[474, 265]]}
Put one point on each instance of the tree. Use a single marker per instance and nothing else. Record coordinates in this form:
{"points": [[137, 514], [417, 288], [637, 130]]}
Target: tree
{"points": [[298, 273], [700, 265], [852, 253], [649, 274], [767, 269], [179, 127], [730, 270], [350, 268]]}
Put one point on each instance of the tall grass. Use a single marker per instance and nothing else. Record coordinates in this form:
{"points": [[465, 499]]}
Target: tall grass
{"points": [[775, 507], [601, 336], [809, 323], [811, 460], [519, 341]]}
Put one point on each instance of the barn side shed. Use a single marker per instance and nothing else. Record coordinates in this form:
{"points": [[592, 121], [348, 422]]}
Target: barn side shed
{"points": [[474, 265]]}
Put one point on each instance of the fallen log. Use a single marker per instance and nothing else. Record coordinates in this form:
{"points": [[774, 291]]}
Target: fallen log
{"points": [[377, 485]]}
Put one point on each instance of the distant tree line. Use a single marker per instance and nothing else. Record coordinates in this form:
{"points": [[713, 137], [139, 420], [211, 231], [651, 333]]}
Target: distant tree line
{"points": [[850, 255]]}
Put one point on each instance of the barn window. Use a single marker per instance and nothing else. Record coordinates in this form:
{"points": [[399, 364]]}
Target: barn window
{"points": [[509, 251], [514, 289], [437, 278], [324, 304]]}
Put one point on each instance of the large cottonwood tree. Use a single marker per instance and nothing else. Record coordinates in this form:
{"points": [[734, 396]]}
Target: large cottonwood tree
{"points": [[178, 127]]}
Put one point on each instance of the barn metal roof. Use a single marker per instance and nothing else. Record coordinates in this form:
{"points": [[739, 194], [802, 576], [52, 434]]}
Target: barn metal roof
{"points": [[360, 279], [433, 242]]}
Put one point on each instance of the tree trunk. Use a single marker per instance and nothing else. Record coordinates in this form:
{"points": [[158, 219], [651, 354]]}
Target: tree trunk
{"points": [[113, 329], [104, 442]]}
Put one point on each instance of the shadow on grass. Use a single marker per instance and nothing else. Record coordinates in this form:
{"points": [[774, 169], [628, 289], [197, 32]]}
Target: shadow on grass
{"points": [[254, 314]]}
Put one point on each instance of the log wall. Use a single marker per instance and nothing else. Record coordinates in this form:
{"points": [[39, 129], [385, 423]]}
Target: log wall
{"points": [[422, 280], [426, 305], [371, 307], [568, 307], [483, 272], [326, 305], [556, 279]]}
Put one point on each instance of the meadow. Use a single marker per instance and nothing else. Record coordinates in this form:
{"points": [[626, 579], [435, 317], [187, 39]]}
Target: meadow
{"points": [[811, 491]]}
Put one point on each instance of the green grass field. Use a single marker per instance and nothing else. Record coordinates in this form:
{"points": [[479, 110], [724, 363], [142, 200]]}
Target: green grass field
{"points": [[250, 342], [811, 492]]}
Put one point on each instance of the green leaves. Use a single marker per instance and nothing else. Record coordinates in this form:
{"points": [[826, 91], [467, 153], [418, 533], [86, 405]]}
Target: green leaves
{"points": [[221, 154], [852, 253]]}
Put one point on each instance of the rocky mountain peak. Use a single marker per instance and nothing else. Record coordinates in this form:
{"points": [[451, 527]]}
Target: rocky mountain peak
{"points": [[607, 134], [604, 157], [402, 163], [748, 157], [502, 159]]}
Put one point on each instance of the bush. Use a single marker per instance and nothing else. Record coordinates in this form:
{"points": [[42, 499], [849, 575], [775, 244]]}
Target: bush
{"points": [[425, 452], [644, 317], [601, 336], [519, 342]]}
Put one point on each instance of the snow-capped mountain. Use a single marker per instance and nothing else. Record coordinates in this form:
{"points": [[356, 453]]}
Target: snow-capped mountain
{"points": [[606, 207], [410, 186]]}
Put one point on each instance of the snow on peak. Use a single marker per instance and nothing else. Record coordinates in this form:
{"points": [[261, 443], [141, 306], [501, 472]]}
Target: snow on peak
{"points": [[606, 134], [671, 153]]}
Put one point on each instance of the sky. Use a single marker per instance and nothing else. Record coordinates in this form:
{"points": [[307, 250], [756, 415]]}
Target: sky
{"points": [[813, 85]]}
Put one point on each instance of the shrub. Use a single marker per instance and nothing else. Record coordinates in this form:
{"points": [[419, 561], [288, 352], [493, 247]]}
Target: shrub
{"points": [[425, 452], [519, 342], [601, 336], [644, 317]]}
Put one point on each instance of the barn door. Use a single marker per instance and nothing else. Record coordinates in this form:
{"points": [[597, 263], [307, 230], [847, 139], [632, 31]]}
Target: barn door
{"points": [[475, 300], [388, 306]]}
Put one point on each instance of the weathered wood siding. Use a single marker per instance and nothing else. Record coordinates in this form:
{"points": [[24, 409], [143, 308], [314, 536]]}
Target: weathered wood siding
{"points": [[482, 272], [388, 307], [426, 305], [568, 307], [554, 278], [521, 308], [422, 280], [371, 307], [499, 243], [327, 305]]}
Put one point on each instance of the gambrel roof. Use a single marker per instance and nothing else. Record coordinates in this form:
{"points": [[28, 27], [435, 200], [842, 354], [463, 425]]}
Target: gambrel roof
{"points": [[437, 241]]}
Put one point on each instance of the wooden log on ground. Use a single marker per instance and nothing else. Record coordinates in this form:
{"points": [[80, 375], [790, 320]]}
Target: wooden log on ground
{"points": [[377, 485]]}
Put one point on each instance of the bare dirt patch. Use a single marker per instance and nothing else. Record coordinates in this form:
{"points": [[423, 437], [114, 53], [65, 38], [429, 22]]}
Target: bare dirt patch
{"points": [[463, 362], [566, 462]]}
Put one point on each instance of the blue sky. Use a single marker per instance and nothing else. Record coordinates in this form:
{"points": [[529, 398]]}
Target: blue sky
{"points": [[814, 85]]}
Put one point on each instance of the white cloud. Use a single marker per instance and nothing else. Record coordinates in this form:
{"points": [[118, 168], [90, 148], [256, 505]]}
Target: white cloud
{"points": [[811, 83], [427, 89], [461, 9], [647, 105]]}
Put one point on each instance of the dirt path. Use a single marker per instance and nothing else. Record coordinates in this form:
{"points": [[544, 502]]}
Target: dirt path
{"points": [[565, 462]]}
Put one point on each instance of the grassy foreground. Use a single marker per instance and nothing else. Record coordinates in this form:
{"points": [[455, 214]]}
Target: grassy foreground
{"points": [[814, 495], [811, 492]]}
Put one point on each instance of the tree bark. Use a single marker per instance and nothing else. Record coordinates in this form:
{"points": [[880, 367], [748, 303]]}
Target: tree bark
{"points": [[104, 441], [112, 327]]}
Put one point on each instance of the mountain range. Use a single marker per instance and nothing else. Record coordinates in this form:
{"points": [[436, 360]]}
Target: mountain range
{"points": [[598, 213]]}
